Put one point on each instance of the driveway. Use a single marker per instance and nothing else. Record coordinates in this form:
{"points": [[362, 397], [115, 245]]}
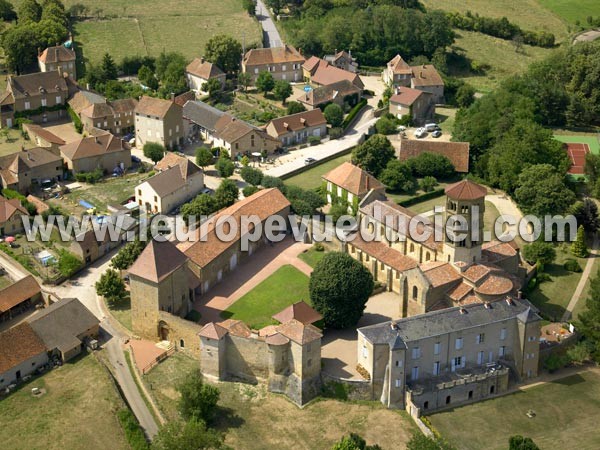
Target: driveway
{"points": [[339, 351], [271, 37]]}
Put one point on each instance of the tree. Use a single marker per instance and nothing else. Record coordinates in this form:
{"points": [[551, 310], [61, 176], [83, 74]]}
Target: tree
{"points": [[68, 263], [109, 68], [334, 114], [224, 51], [539, 252], [29, 10], [190, 435], [304, 201], [353, 442], [213, 87], [249, 6], [225, 167], [273, 182], [521, 443], [170, 70], [249, 190], [374, 154], [397, 176], [419, 441], [541, 190], [147, 78], [154, 151], [20, 46], [244, 80], [282, 90], [7, 12], [227, 193], [252, 175], [465, 96], [339, 289], [265, 82], [198, 399], [385, 125], [295, 108], [127, 255], [111, 286], [589, 319], [579, 247], [427, 184], [201, 205], [431, 165], [204, 157], [586, 213]]}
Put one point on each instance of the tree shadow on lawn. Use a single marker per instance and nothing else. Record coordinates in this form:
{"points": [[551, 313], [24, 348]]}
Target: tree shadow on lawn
{"points": [[570, 381], [227, 418], [549, 311]]}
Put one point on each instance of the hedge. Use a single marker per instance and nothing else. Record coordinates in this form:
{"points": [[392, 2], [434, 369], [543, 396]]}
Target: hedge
{"points": [[353, 112], [133, 432], [421, 198], [75, 119]]}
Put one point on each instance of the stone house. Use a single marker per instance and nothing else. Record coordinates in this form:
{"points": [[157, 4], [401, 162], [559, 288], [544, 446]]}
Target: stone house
{"points": [[59, 59], [20, 296], [178, 181], [199, 71], [200, 121], [397, 73], [349, 184], [159, 121], [11, 212], [41, 137], [21, 170], [296, 128], [211, 258], [103, 151], [456, 152], [450, 357], [65, 327], [241, 138], [322, 73], [22, 352], [116, 117], [342, 93], [284, 63], [425, 78], [416, 104], [342, 60], [40, 97]]}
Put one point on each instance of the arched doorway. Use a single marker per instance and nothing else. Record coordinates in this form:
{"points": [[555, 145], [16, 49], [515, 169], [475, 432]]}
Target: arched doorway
{"points": [[163, 331]]}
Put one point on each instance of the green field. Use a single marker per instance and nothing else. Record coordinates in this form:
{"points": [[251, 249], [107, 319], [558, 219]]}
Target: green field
{"points": [[77, 411], [566, 417], [311, 178], [591, 140], [573, 10], [286, 286], [147, 27], [311, 256]]}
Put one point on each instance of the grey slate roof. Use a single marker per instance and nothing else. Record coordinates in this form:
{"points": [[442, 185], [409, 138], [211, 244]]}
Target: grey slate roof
{"points": [[445, 321], [59, 324], [202, 114]]}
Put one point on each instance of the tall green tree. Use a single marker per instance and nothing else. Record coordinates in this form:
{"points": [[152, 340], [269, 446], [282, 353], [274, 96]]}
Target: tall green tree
{"points": [[541, 190], [519, 442], [282, 90], [204, 157], [579, 247], [225, 167], [252, 175], [225, 52], [227, 193], [244, 80], [68, 263], [111, 286], [374, 154], [334, 115], [147, 78], [198, 399], [190, 435], [539, 252], [353, 442], [201, 205], [586, 213], [294, 107], [265, 82], [421, 442], [109, 68], [397, 176], [154, 151], [29, 11], [7, 12]]}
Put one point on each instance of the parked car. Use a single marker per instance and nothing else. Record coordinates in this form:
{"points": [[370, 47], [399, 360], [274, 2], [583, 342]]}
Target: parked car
{"points": [[207, 191], [431, 127], [436, 134], [420, 132], [308, 161]]}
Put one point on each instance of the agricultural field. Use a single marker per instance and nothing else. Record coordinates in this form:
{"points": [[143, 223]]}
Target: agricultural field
{"points": [[147, 27], [78, 410], [566, 412], [572, 10]]}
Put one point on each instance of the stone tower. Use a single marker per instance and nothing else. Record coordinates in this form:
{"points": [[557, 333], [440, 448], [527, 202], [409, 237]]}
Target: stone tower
{"points": [[465, 199]]}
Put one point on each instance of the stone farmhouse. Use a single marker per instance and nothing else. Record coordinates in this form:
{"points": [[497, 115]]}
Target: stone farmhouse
{"points": [[456, 152], [321, 73], [284, 63], [159, 121], [349, 184], [40, 97], [58, 59], [20, 170], [104, 151], [199, 71], [178, 181], [11, 212], [424, 77], [19, 297], [450, 357], [343, 93], [240, 138], [41, 137], [116, 117], [200, 120], [22, 352], [296, 128], [413, 103], [342, 60]]}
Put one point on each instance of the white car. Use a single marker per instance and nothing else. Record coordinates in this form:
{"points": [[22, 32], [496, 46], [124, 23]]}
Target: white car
{"points": [[401, 128], [420, 132]]}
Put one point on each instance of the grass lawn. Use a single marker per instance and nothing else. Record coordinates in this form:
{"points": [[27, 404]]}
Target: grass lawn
{"points": [[254, 419], [552, 297], [269, 297], [572, 10], [311, 256], [77, 411], [147, 27], [566, 417], [581, 306], [13, 142], [445, 119], [499, 54], [311, 178], [591, 140], [121, 310]]}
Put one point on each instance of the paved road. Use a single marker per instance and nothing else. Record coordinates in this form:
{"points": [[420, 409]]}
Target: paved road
{"points": [[13, 270], [271, 37], [329, 148]]}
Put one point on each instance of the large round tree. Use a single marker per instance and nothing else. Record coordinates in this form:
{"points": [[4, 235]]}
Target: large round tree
{"points": [[339, 289]]}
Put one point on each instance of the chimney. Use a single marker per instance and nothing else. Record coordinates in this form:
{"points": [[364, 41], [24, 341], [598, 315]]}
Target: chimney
{"points": [[303, 121], [87, 86], [487, 305], [509, 301], [520, 295], [202, 59], [463, 310], [286, 125], [173, 97]]}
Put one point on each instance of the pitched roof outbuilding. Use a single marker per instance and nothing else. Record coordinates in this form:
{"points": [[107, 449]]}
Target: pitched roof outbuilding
{"points": [[353, 179], [158, 260], [17, 345]]}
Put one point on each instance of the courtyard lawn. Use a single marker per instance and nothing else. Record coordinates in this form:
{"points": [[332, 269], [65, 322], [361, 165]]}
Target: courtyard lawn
{"points": [[287, 285], [311, 256], [552, 297], [121, 310], [572, 10], [581, 304], [591, 139], [14, 141], [566, 417], [254, 419], [311, 178], [76, 412]]}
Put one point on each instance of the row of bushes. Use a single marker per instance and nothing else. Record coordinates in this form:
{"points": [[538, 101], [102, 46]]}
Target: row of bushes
{"points": [[133, 433], [353, 112], [421, 198], [39, 111], [90, 177], [500, 28], [75, 119]]}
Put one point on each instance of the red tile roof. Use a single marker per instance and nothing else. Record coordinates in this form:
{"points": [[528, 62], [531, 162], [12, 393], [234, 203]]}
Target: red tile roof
{"points": [[236, 328], [212, 331], [156, 107], [399, 66], [425, 75], [297, 122], [406, 96], [274, 55], [18, 292], [8, 208], [204, 69], [299, 332], [456, 152], [60, 53], [353, 179], [440, 273], [466, 190], [17, 345], [381, 252], [299, 311], [325, 74], [158, 260]]}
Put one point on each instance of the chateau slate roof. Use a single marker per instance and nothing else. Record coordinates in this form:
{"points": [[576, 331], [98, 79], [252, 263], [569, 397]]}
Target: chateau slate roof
{"points": [[158, 260], [447, 320], [17, 345], [352, 178], [465, 190], [202, 114]]}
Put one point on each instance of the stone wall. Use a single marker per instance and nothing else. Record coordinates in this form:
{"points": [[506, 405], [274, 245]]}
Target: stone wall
{"points": [[182, 331], [247, 358]]}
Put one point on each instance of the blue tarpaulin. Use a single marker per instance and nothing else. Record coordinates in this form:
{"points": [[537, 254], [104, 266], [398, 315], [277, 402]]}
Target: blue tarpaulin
{"points": [[85, 204]]}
